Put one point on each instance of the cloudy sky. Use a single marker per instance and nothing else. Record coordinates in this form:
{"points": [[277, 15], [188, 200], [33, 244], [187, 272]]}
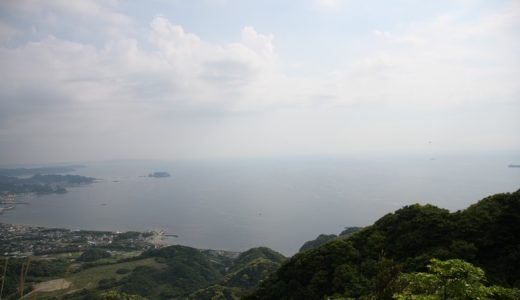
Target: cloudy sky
{"points": [[92, 80]]}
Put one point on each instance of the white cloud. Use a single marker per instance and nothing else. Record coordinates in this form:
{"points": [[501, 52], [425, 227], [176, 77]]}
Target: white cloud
{"points": [[429, 65], [7, 32], [443, 63], [148, 83], [99, 10], [182, 72], [329, 3], [262, 44]]}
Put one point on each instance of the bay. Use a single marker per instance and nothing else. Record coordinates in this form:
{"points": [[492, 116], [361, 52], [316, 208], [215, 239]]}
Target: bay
{"points": [[280, 202]]}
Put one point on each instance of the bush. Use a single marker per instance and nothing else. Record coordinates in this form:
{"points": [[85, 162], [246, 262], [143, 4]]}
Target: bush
{"points": [[93, 254]]}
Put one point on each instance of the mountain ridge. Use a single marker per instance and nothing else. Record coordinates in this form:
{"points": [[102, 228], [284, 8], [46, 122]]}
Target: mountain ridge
{"points": [[368, 263]]}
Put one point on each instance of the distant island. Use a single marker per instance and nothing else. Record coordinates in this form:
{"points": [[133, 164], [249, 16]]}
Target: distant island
{"points": [[159, 175], [513, 166]]}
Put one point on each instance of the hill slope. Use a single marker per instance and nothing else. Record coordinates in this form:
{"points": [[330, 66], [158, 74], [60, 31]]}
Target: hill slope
{"points": [[367, 264]]}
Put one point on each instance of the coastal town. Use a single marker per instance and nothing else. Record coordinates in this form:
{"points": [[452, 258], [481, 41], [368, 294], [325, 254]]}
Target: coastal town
{"points": [[23, 240]]}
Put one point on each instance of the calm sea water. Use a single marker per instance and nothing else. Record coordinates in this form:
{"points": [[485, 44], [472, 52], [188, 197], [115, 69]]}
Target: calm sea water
{"points": [[279, 203]]}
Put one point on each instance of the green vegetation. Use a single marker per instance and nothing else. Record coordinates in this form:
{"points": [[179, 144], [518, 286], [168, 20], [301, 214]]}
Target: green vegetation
{"points": [[41, 184], [114, 295], [450, 279], [109, 295], [30, 270], [348, 231], [90, 283], [252, 255], [171, 272], [93, 254], [216, 292], [186, 270], [251, 274], [368, 263], [324, 238], [195, 272], [248, 269], [91, 277], [320, 240]]}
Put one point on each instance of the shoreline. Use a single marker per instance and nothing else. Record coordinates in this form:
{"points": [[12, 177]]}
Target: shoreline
{"points": [[20, 240]]}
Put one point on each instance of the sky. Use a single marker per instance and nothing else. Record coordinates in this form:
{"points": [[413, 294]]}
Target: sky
{"points": [[90, 80]]}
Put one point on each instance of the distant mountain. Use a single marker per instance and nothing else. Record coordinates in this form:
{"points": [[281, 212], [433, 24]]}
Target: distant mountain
{"points": [[368, 263], [41, 184], [320, 240], [324, 238], [348, 231], [41, 170]]}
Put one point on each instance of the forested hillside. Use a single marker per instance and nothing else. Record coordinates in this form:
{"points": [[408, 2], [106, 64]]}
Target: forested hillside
{"points": [[174, 272], [368, 264]]}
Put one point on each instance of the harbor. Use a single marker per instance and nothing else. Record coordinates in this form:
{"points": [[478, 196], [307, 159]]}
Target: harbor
{"points": [[8, 202]]}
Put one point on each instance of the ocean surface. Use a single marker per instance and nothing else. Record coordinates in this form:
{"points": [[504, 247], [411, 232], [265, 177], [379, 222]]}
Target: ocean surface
{"points": [[276, 202]]}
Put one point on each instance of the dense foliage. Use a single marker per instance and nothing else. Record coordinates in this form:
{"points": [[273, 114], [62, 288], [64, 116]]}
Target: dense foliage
{"points": [[93, 254], [115, 295], [187, 269], [320, 240], [247, 270], [176, 272], [450, 279], [15, 268], [348, 231], [254, 254], [368, 263], [187, 272], [324, 238]]}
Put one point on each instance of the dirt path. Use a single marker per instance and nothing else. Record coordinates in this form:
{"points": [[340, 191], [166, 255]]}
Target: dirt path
{"points": [[51, 285]]}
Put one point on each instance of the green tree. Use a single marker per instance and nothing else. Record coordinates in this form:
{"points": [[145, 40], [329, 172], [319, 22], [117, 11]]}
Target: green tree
{"points": [[115, 295], [450, 279], [93, 254]]}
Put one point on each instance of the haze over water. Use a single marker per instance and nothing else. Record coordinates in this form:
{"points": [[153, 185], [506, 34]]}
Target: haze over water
{"points": [[389, 87], [275, 202]]}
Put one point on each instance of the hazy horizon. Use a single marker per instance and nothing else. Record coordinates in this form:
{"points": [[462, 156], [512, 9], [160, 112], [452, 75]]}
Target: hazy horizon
{"points": [[508, 157], [216, 79], [278, 203]]}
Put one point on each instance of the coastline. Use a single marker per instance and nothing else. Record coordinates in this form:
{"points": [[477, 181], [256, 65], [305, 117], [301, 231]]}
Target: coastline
{"points": [[21, 240]]}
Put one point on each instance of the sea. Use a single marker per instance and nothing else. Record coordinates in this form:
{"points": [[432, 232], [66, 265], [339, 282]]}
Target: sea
{"points": [[282, 202]]}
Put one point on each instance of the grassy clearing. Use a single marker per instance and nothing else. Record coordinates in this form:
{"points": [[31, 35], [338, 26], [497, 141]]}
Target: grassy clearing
{"points": [[51, 285], [89, 278]]}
